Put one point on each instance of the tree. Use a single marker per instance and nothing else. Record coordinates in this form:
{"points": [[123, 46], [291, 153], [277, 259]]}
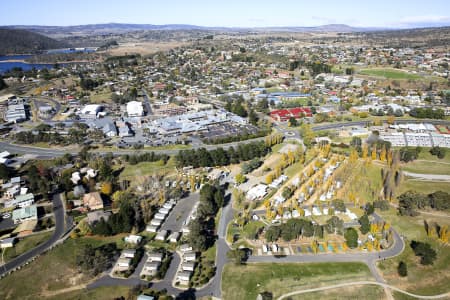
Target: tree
{"points": [[237, 255], [365, 224], [240, 178], [307, 134], [339, 205], [106, 188], [424, 250], [351, 237], [3, 84], [292, 122], [4, 172], [402, 269]]}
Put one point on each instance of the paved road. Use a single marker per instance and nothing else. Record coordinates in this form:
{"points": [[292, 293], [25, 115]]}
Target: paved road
{"points": [[49, 153], [336, 286], [60, 229], [427, 177]]}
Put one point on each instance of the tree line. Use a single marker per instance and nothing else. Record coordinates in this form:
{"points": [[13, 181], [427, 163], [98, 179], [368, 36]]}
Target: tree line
{"points": [[201, 235], [145, 157], [220, 157], [427, 113], [409, 202]]}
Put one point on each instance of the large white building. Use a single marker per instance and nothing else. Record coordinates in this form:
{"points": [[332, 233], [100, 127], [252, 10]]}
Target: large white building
{"points": [[90, 111], [135, 109]]}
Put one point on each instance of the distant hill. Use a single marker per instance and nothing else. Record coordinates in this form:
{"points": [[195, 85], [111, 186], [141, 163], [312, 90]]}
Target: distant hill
{"points": [[18, 41], [117, 28]]}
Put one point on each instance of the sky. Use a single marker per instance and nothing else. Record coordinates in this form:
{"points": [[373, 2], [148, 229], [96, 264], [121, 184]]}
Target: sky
{"points": [[229, 13]]}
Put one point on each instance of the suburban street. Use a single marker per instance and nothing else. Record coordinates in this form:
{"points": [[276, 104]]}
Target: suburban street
{"points": [[50, 153], [60, 229]]}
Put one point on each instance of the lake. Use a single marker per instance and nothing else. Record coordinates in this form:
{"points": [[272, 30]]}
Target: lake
{"points": [[6, 64]]}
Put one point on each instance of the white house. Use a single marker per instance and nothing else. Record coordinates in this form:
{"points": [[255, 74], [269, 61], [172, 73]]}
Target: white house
{"points": [[184, 276], [155, 256], [123, 263], [135, 109], [161, 236], [7, 243], [174, 237], [189, 256], [188, 266], [128, 253], [133, 239], [185, 248], [151, 228], [159, 216], [156, 222]]}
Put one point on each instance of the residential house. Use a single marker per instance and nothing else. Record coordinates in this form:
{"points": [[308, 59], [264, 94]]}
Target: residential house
{"points": [[21, 201], [7, 243], [161, 236], [128, 253], [189, 256], [25, 213], [155, 256], [93, 201], [188, 266], [133, 239]]}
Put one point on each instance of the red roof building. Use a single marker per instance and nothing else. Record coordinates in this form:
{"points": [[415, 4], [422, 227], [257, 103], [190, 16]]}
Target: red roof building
{"points": [[283, 115]]}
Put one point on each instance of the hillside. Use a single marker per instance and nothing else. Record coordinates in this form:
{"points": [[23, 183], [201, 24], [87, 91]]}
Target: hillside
{"points": [[15, 41]]}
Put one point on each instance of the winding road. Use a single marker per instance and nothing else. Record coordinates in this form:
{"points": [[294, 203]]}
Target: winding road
{"points": [[60, 229]]}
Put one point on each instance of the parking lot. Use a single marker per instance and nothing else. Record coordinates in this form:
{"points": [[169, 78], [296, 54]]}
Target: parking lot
{"points": [[180, 213]]}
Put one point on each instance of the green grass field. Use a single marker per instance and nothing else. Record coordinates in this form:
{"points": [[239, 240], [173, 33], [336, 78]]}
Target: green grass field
{"points": [[427, 167], [368, 292], [389, 73], [26, 244], [425, 187], [101, 293], [245, 282], [423, 280], [147, 168]]}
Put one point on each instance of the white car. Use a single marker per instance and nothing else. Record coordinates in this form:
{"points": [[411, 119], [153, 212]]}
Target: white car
{"points": [[6, 216]]}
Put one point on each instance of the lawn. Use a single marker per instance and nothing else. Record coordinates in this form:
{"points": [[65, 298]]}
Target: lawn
{"points": [[101, 293], [389, 73], [26, 244], [245, 282], [146, 168], [50, 272], [425, 187], [427, 167], [423, 280], [368, 292], [103, 96]]}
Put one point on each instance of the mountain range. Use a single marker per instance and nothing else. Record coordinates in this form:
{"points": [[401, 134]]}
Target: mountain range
{"points": [[92, 29]]}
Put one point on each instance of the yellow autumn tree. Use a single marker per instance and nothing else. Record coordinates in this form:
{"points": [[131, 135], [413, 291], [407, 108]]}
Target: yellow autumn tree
{"points": [[383, 153], [374, 153], [353, 156], [106, 188], [365, 151], [443, 234], [269, 178]]}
